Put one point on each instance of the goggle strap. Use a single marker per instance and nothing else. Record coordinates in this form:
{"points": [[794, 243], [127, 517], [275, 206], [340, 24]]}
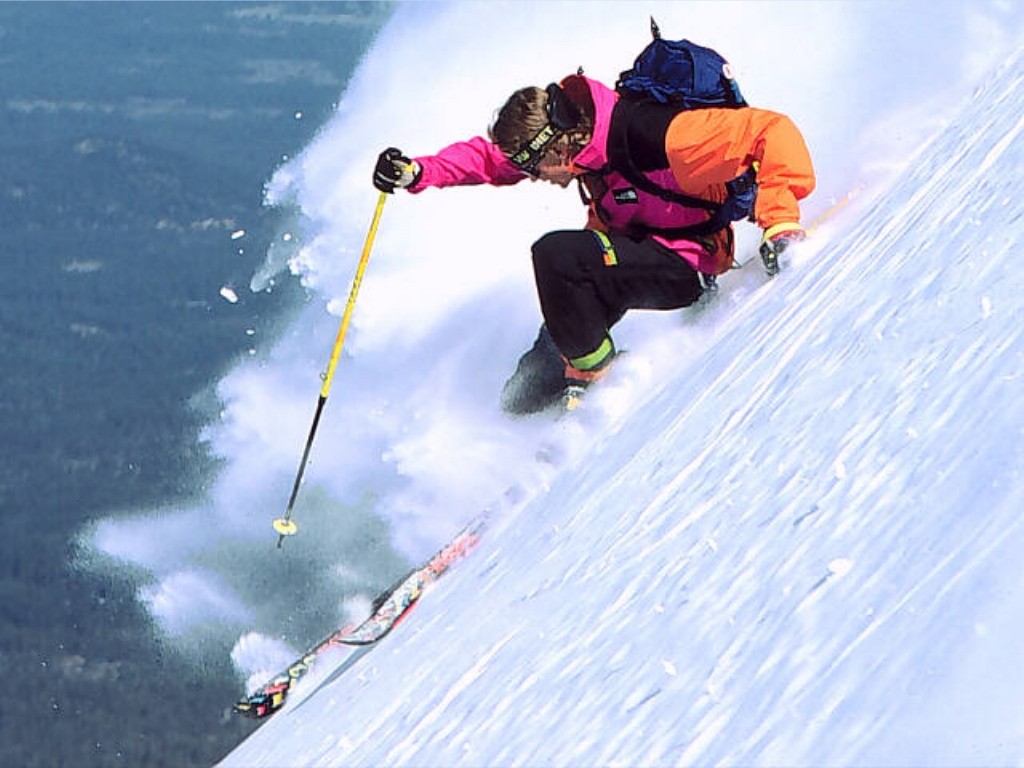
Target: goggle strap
{"points": [[529, 155]]}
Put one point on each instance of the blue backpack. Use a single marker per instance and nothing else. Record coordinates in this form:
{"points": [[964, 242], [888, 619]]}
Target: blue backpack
{"points": [[682, 73], [681, 76]]}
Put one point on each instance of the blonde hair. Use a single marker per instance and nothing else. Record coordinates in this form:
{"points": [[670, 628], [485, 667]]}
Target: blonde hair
{"points": [[524, 115]]}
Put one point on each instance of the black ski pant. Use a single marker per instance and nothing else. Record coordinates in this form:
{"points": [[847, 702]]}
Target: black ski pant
{"points": [[587, 281]]}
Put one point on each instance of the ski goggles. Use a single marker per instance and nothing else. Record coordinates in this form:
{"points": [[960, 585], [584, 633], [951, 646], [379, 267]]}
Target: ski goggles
{"points": [[562, 115]]}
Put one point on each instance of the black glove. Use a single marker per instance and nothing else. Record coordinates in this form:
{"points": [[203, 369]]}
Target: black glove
{"points": [[394, 171], [776, 240]]}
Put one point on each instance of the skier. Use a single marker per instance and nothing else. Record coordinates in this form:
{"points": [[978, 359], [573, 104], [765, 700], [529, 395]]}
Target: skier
{"points": [[662, 187]]}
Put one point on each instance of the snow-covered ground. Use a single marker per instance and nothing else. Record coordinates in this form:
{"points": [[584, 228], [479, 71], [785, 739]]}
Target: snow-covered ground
{"points": [[786, 532]]}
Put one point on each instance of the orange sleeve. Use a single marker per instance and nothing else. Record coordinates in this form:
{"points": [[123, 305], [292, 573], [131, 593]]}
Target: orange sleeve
{"points": [[708, 147]]}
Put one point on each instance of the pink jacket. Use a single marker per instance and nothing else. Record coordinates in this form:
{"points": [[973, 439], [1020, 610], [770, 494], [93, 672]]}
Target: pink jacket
{"points": [[616, 206]]}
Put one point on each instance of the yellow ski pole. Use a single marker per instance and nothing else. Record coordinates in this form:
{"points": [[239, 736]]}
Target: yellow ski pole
{"points": [[284, 525]]}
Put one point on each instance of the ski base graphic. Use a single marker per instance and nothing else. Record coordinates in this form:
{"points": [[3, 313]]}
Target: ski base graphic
{"points": [[388, 611]]}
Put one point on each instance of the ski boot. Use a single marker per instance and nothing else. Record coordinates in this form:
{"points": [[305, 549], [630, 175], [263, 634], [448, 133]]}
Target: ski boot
{"points": [[577, 381]]}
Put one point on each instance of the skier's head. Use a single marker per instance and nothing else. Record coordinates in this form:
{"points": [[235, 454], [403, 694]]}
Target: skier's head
{"points": [[541, 131]]}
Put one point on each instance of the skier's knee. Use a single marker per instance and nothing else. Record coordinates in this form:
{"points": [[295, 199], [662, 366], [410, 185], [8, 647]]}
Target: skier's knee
{"points": [[558, 253]]}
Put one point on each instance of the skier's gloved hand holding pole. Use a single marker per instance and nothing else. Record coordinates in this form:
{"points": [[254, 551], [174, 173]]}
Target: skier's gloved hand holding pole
{"points": [[777, 239], [394, 171]]}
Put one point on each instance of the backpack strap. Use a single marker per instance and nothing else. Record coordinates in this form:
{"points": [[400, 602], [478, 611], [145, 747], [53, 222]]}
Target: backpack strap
{"points": [[636, 135], [636, 143]]}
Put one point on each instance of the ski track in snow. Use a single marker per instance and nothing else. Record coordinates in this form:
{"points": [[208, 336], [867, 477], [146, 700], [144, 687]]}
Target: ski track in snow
{"points": [[794, 552]]}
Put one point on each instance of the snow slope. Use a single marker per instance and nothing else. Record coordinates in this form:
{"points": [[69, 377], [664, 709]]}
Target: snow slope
{"points": [[800, 545]]}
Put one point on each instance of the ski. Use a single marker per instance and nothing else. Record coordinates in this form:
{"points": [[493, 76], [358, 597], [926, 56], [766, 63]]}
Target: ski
{"points": [[387, 612]]}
